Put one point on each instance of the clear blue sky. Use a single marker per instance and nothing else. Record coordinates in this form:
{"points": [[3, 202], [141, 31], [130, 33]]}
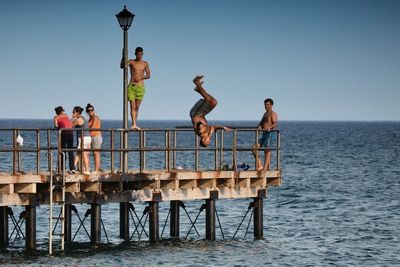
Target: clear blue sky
{"points": [[318, 60]]}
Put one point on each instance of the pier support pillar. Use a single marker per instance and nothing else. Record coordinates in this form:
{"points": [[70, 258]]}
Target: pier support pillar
{"points": [[258, 214], [210, 215], [68, 223], [30, 227], [95, 224], [174, 224], [3, 227], [154, 235], [124, 221]]}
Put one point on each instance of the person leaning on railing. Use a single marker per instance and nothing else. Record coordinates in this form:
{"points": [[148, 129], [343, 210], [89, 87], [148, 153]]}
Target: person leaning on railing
{"points": [[78, 121], [61, 121]]}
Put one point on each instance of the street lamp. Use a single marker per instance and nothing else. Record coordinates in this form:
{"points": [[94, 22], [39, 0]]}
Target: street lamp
{"points": [[125, 19]]}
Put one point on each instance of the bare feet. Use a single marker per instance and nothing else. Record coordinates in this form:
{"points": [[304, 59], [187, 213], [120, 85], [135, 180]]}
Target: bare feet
{"points": [[198, 81], [135, 128]]}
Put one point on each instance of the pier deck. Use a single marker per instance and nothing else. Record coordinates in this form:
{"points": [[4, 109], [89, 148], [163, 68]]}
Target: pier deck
{"points": [[25, 188]]}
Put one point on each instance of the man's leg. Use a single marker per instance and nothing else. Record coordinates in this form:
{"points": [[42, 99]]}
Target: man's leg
{"points": [[96, 161], [267, 159], [70, 144], [135, 104], [200, 89], [255, 153]]}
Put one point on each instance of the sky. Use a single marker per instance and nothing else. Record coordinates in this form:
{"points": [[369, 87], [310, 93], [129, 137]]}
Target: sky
{"points": [[317, 59]]}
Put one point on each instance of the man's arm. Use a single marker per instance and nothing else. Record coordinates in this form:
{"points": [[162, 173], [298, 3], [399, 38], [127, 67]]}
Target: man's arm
{"points": [[274, 121], [219, 127], [147, 70], [55, 122]]}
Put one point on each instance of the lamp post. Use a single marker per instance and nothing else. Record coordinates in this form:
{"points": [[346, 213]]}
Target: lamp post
{"points": [[125, 19]]}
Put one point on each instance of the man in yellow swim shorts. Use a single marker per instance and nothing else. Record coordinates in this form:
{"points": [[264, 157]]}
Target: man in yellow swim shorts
{"points": [[140, 71]]}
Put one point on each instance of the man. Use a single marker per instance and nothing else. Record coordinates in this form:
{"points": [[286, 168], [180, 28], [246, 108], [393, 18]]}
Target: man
{"points": [[198, 112], [140, 71], [96, 138], [62, 121], [268, 122]]}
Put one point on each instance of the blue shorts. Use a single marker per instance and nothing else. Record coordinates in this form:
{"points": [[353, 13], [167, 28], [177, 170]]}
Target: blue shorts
{"points": [[264, 140]]}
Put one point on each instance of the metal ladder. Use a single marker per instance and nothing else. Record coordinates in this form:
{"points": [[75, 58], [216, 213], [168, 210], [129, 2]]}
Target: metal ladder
{"points": [[61, 217]]}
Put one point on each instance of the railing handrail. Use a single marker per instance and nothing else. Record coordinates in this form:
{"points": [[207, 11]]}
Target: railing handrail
{"points": [[169, 145]]}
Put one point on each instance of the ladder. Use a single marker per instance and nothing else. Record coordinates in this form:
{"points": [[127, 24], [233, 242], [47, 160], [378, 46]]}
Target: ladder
{"points": [[61, 217]]}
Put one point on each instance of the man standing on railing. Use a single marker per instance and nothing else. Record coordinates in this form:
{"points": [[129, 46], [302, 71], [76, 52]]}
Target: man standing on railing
{"points": [[268, 122], [61, 121], [140, 71], [200, 110]]}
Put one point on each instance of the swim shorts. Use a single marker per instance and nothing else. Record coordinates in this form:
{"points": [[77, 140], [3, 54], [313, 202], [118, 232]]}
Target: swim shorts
{"points": [[135, 92], [86, 142], [201, 108], [97, 141], [264, 140]]}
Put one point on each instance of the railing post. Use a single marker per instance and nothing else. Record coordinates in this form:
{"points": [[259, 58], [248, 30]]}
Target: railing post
{"points": [[278, 152], [166, 154], [196, 140], [216, 151], [234, 144], [174, 152], [37, 151], [256, 151], [112, 151], [221, 153], [14, 151]]}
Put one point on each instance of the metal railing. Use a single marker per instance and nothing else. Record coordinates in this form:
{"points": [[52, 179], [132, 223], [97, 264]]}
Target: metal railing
{"points": [[147, 149]]}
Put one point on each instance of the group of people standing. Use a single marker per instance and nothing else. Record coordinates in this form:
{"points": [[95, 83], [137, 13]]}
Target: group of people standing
{"points": [[85, 138]]}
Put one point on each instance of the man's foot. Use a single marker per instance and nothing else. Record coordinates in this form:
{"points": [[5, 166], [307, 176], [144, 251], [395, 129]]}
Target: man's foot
{"points": [[198, 81], [260, 169], [135, 128]]}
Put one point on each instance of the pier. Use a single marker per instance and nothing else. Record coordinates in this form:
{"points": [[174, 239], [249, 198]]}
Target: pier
{"points": [[156, 165]]}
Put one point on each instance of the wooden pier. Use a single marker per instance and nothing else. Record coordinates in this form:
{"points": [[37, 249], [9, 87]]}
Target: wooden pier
{"points": [[48, 183]]}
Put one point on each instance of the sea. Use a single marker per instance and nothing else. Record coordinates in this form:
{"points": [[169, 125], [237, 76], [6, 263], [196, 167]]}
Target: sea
{"points": [[338, 205]]}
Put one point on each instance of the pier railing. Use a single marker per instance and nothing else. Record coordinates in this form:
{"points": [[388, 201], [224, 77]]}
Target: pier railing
{"points": [[147, 149]]}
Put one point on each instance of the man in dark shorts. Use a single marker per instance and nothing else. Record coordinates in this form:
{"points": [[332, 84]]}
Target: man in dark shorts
{"points": [[200, 110], [268, 122]]}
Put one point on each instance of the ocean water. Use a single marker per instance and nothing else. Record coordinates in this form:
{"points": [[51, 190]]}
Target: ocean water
{"points": [[338, 206]]}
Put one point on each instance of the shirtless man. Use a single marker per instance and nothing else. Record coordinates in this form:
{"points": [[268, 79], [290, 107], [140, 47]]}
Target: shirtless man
{"points": [[140, 71], [268, 122], [198, 112]]}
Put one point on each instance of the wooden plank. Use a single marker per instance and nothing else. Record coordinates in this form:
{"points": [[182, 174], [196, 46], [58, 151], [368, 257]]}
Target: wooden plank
{"points": [[90, 187], [72, 187], [6, 188], [25, 188]]}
